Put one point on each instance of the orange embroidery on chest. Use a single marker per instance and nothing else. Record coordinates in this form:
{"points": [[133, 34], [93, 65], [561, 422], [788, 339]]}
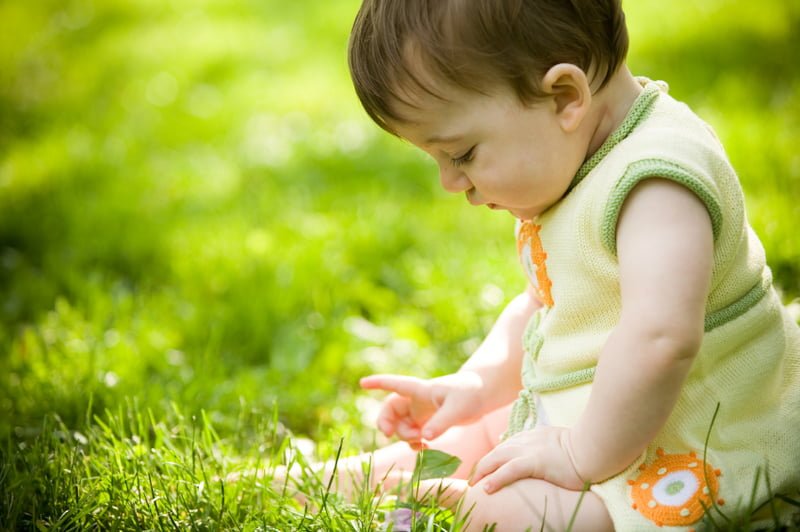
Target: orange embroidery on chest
{"points": [[673, 489], [529, 242]]}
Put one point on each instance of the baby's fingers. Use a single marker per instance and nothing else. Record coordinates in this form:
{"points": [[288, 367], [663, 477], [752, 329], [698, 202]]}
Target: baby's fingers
{"points": [[408, 432], [510, 472], [386, 426], [492, 462], [392, 413], [449, 414]]}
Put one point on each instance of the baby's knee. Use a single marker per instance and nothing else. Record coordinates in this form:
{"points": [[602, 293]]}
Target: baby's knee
{"points": [[481, 510], [531, 504]]}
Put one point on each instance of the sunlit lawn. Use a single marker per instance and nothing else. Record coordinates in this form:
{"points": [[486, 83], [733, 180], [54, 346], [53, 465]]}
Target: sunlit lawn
{"points": [[204, 243]]}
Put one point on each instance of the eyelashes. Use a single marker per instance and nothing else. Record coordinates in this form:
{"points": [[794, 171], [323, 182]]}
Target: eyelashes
{"points": [[464, 159]]}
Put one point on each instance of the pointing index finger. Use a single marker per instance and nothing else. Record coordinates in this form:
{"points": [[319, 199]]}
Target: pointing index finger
{"points": [[400, 384]]}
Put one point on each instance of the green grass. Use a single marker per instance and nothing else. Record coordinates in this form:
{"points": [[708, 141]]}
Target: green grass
{"points": [[204, 243], [130, 471]]}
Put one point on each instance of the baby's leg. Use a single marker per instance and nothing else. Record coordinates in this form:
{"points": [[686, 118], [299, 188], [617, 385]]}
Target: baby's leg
{"points": [[527, 503]]}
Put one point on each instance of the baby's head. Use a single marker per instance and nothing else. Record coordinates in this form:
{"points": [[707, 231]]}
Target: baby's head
{"points": [[402, 48]]}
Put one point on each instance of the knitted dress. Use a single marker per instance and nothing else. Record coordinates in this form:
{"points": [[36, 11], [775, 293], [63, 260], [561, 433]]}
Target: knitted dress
{"points": [[749, 361]]}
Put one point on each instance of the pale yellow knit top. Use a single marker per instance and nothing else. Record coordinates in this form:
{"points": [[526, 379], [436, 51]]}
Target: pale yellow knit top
{"points": [[749, 362]]}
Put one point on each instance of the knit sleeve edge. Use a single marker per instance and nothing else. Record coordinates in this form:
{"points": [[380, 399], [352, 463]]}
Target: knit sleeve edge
{"points": [[652, 169]]}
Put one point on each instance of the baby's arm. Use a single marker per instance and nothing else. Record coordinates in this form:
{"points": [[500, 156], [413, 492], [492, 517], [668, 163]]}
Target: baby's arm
{"points": [[665, 252], [424, 409], [498, 361]]}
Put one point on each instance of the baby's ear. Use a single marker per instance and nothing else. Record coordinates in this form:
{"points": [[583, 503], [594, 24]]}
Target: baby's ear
{"points": [[572, 96]]}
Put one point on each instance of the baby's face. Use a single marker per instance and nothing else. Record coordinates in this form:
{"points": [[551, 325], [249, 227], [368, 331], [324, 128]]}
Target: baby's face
{"points": [[497, 151]]}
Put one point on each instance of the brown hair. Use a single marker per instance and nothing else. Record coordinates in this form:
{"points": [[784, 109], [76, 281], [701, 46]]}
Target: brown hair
{"points": [[477, 45]]}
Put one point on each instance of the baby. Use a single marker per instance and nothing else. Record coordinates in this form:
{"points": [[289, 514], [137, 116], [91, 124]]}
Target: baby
{"points": [[650, 309]]}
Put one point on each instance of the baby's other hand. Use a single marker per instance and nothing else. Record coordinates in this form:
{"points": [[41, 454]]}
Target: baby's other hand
{"points": [[543, 453], [420, 410]]}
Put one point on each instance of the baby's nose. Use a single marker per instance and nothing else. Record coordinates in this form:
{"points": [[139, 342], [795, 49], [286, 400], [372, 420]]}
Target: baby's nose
{"points": [[454, 180]]}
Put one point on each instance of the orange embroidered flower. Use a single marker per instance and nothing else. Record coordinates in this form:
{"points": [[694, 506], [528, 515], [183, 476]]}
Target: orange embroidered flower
{"points": [[533, 256], [673, 489]]}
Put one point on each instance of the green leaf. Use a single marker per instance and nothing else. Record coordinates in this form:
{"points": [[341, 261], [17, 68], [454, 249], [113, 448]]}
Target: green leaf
{"points": [[435, 464]]}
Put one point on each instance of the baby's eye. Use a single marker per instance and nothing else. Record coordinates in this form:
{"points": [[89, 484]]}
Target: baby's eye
{"points": [[464, 159]]}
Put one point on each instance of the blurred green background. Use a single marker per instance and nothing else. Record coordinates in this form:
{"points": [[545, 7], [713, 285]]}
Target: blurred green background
{"points": [[194, 209]]}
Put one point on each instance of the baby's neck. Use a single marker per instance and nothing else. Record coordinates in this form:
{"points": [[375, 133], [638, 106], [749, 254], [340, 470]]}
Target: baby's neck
{"points": [[611, 105]]}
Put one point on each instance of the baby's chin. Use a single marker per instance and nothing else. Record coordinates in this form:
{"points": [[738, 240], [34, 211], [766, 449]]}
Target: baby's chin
{"points": [[521, 214]]}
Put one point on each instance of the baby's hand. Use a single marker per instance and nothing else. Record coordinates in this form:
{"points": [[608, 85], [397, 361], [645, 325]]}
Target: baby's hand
{"points": [[420, 410], [543, 452]]}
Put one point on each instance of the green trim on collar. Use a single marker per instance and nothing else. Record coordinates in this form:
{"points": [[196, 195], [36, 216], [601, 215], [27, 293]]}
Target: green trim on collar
{"points": [[655, 168], [639, 110]]}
